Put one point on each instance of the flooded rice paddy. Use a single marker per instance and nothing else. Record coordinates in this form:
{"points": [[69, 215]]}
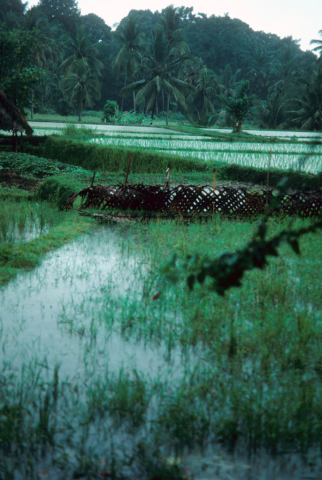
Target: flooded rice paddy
{"points": [[306, 157], [54, 313], [303, 157], [106, 371]]}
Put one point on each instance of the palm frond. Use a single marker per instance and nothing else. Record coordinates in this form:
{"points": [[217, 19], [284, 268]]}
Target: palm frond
{"points": [[133, 87], [150, 102]]}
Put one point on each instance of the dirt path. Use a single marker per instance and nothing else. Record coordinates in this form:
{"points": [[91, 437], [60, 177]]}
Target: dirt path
{"points": [[104, 128]]}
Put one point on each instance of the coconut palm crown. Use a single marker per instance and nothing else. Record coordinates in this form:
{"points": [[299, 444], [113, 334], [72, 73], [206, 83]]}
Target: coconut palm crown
{"points": [[318, 47], [159, 72]]}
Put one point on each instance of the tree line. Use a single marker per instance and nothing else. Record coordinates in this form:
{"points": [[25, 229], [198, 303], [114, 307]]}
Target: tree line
{"points": [[211, 70]]}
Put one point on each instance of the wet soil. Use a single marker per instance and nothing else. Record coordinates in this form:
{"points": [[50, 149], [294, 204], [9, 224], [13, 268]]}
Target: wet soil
{"points": [[11, 179]]}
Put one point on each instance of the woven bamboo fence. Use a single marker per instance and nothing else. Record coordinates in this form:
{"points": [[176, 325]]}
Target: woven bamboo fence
{"points": [[192, 199]]}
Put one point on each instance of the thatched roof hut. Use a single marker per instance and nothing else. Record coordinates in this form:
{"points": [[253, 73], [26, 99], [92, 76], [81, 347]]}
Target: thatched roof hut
{"points": [[11, 119]]}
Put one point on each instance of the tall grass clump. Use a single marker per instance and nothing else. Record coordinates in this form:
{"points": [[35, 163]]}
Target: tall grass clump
{"points": [[23, 220], [72, 130]]}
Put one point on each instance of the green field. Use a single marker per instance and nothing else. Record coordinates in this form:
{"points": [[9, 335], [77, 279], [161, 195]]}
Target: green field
{"points": [[110, 369]]}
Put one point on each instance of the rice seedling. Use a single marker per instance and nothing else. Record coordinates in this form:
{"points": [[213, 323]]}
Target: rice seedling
{"points": [[205, 144], [283, 156], [24, 221]]}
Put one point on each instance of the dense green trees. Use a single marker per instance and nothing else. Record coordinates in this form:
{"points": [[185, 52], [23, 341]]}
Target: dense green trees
{"points": [[19, 69], [80, 82], [173, 55], [65, 12]]}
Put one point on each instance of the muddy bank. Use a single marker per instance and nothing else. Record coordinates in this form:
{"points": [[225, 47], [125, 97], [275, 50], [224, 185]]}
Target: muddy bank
{"points": [[12, 179]]}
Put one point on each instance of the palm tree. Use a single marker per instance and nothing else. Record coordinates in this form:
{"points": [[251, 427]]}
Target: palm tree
{"points": [[318, 48], [271, 112], [172, 25], [287, 66], [206, 91], [81, 86], [129, 57], [84, 51], [228, 80], [158, 68], [43, 46], [309, 114], [171, 20], [258, 71]]}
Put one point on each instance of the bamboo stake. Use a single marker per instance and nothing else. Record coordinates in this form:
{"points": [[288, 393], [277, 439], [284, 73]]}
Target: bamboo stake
{"points": [[128, 171], [267, 182], [93, 179], [168, 177], [214, 185]]}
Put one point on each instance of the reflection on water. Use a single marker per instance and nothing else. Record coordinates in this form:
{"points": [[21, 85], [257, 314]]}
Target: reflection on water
{"points": [[55, 311], [29, 230], [216, 464]]}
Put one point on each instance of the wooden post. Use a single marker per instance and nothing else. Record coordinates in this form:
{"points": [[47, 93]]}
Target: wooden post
{"points": [[128, 171], [93, 179], [168, 177], [267, 182], [14, 141], [214, 185]]}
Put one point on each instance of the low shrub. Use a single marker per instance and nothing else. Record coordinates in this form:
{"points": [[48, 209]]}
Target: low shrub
{"points": [[110, 111], [37, 167], [54, 191], [72, 130]]}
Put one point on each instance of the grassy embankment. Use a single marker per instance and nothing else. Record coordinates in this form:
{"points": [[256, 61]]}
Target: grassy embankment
{"points": [[30, 228], [95, 117]]}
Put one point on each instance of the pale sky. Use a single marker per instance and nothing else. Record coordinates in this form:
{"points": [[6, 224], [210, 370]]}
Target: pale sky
{"points": [[301, 19]]}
